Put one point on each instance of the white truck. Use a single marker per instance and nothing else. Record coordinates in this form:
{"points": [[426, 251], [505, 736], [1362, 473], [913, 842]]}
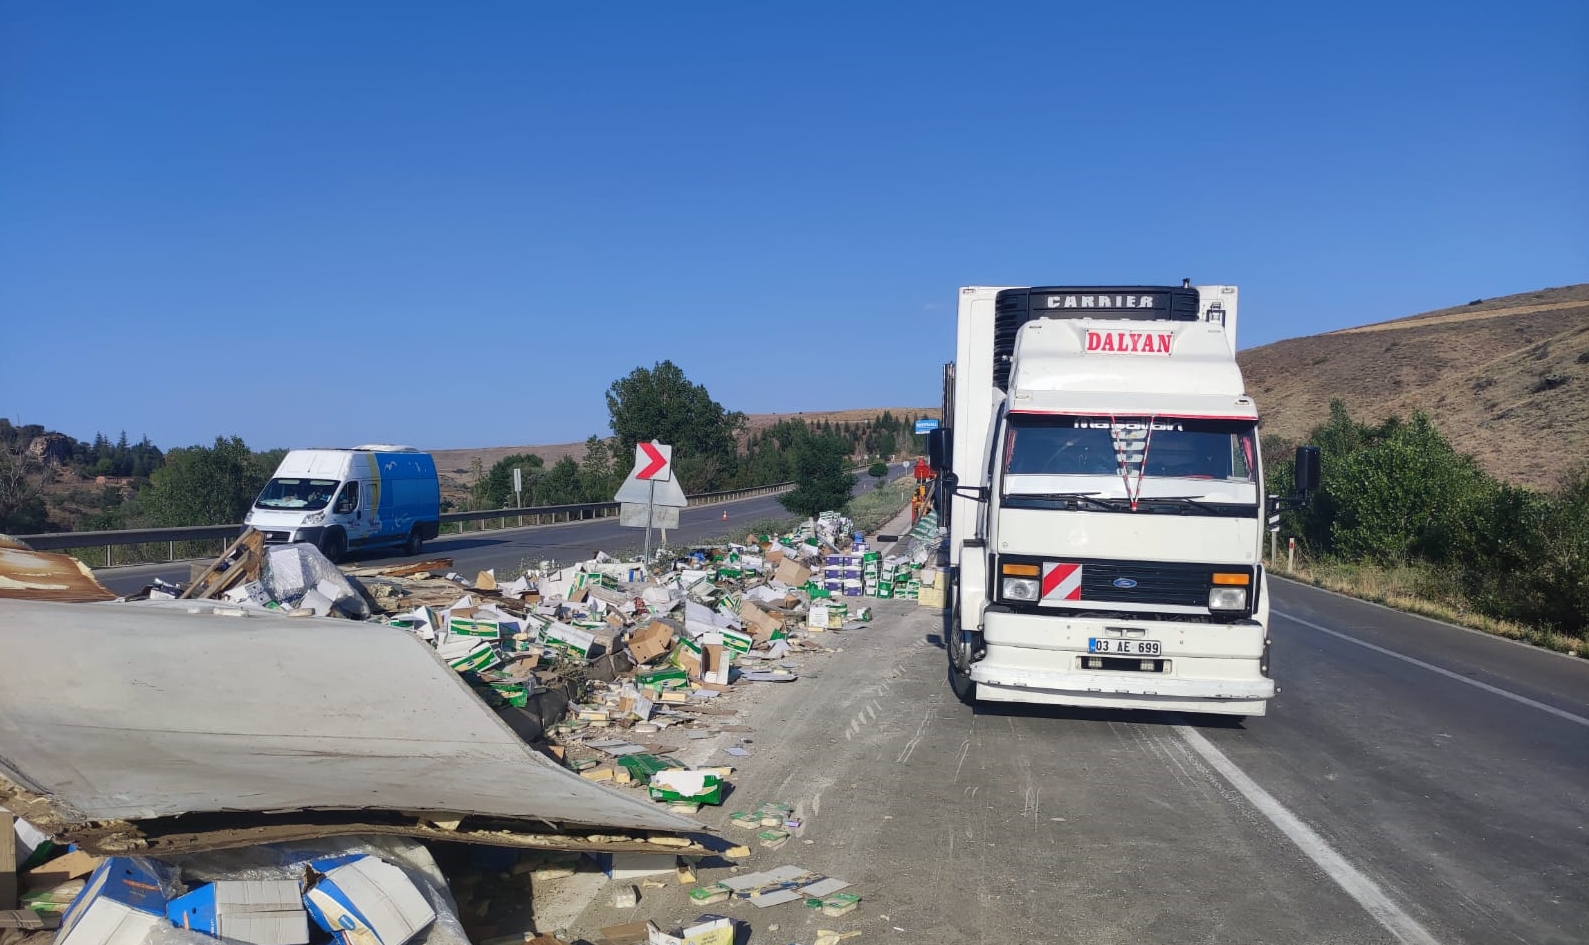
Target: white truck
{"points": [[1104, 494], [342, 499]]}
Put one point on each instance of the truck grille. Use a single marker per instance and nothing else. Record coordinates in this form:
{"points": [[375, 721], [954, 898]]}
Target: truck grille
{"points": [[1119, 585], [1184, 584]]}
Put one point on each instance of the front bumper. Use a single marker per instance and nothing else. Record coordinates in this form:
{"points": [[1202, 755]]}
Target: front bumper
{"points": [[283, 536], [1203, 667]]}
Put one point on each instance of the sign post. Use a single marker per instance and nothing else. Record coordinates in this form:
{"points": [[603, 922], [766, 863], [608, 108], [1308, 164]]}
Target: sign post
{"points": [[651, 497], [651, 516], [518, 486]]}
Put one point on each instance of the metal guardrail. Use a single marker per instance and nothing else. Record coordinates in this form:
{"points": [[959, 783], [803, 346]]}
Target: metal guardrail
{"points": [[537, 515]]}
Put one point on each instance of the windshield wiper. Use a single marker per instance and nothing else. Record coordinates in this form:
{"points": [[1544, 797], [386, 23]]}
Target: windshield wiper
{"points": [[1076, 499], [1183, 502]]}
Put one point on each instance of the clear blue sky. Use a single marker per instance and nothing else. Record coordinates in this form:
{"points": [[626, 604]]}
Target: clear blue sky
{"points": [[454, 225]]}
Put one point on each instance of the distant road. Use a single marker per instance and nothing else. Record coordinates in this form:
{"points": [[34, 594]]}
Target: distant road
{"points": [[510, 549]]}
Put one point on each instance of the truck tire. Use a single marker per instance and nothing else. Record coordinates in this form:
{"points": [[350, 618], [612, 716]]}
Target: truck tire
{"points": [[334, 544], [415, 542], [956, 644]]}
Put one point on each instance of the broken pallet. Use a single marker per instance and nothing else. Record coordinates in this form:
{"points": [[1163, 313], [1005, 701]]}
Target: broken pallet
{"points": [[242, 561]]}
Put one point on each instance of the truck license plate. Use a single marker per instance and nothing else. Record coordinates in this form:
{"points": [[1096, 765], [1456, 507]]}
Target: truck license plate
{"points": [[1111, 646]]}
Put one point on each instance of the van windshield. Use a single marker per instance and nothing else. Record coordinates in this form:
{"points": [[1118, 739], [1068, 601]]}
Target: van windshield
{"points": [[310, 494]]}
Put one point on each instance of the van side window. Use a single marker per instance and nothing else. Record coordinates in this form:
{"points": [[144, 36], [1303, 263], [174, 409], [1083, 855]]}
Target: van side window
{"points": [[350, 498]]}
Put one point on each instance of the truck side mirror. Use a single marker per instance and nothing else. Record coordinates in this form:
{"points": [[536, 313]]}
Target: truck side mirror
{"points": [[951, 486], [937, 450], [1307, 469]]}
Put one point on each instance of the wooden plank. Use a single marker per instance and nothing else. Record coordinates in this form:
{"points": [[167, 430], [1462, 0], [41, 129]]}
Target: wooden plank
{"points": [[434, 565], [28, 919], [8, 861]]}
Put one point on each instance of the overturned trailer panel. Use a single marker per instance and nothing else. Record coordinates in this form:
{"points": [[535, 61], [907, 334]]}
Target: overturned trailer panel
{"points": [[26, 574], [155, 725]]}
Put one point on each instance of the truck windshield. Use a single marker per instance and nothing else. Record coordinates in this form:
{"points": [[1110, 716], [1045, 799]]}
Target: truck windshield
{"points": [[1156, 447], [308, 494]]}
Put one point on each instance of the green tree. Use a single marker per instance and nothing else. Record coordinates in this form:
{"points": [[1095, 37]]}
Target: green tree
{"points": [[201, 485], [22, 481], [598, 477], [1403, 493], [561, 485], [660, 403], [1526, 555], [822, 482], [494, 490], [878, 470], [767, 458]]}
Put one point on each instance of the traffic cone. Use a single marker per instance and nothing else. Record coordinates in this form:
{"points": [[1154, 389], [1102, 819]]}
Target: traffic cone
{"points": [[725, 515]]}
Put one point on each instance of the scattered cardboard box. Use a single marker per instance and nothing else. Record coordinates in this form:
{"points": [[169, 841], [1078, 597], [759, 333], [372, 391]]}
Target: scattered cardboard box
{"points": [[258, 912], [122, 904], [363, 900]]}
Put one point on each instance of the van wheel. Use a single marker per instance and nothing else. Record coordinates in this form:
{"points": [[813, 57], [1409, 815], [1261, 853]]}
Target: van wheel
{"points": [[958, 645], [415, 542], [334, 544]]}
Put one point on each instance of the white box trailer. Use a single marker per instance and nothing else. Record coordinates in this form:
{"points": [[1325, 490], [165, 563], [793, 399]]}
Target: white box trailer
{"points": [[1104, 491]]}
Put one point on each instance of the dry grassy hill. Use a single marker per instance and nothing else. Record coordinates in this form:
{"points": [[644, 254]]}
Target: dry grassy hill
{"points": [[455, 466], [1505, 379]]}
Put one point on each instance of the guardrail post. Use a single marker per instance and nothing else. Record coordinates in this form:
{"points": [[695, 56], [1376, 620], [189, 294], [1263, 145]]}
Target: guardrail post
{"points": [[107, 554]]}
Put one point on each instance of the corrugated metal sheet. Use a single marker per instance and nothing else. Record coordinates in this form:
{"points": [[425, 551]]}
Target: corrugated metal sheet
{"points": [[36, 575], [137, 712]]}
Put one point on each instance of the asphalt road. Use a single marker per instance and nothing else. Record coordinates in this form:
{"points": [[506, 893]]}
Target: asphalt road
{"points": [[512, 549], [1413, 782]]}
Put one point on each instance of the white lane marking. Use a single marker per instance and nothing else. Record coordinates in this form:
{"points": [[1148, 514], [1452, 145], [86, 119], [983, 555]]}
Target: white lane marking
{"points": [[1523, 700], [1364, 890]]}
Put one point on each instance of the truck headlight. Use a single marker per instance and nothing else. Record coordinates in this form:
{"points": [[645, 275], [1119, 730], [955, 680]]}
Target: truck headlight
{"points": [[1023, 589], [315, 518], [1227, 598]]}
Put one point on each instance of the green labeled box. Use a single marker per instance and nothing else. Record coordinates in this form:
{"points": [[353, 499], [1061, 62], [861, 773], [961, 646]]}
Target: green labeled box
{"points": [[737, 642], [481, 629], [668, 677], [697, 787]]}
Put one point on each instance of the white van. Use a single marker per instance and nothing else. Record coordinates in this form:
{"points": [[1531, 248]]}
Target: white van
{"points": [[347, 499]]}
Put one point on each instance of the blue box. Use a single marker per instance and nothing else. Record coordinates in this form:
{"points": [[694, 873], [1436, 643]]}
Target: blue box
{"points": [[259, 912], [364, 900], [123, 901]]}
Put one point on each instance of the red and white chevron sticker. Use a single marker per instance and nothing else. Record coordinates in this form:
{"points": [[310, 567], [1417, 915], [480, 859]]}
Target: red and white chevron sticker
{"points": [[1061, 581]]}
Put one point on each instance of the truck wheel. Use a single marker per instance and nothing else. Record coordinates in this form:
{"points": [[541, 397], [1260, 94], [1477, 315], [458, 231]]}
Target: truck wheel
{"points": [[959, 648], [415, 542], [334, 544]]}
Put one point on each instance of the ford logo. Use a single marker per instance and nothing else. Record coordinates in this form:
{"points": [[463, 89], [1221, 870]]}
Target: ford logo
{"points": [[1124, 582]]}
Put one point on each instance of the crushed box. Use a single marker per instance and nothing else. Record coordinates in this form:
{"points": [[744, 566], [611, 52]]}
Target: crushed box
{"points": [[123, 901], [364, 900]]}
